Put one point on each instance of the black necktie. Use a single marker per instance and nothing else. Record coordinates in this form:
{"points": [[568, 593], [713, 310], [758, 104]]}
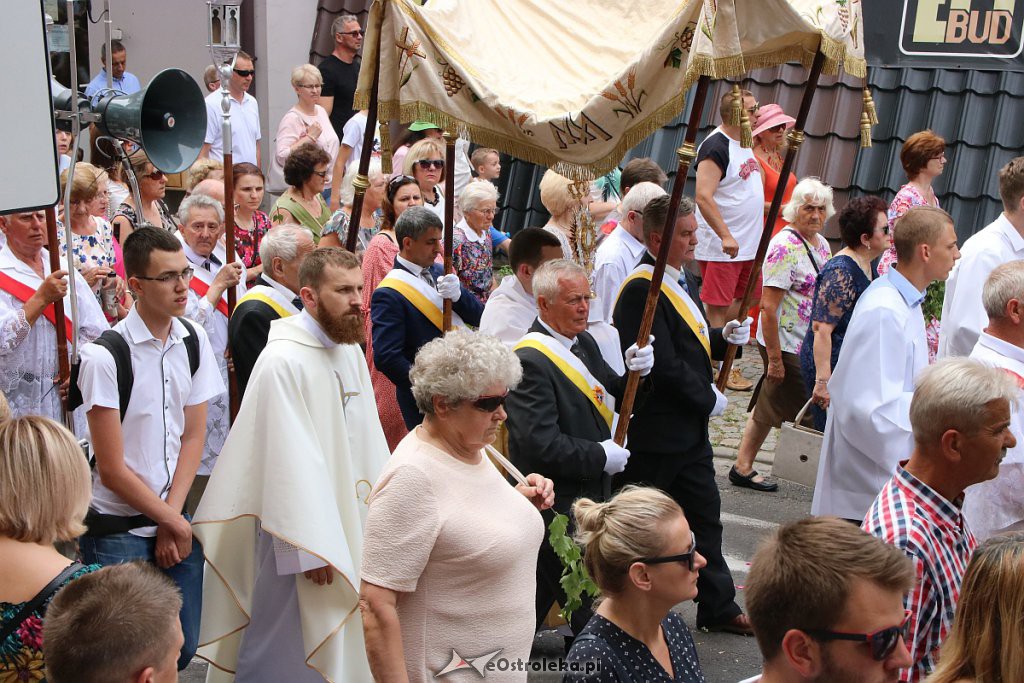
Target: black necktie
{"points": [[577, 350], [428, 277]]}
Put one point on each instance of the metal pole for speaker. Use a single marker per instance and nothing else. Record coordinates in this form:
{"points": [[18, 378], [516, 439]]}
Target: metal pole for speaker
{"points": [[76, 130]]}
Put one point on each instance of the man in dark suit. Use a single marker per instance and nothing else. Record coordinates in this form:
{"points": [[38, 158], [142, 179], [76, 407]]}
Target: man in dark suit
{"points": [[560, 414], [274, 295], [668, 434], [406, 306]]}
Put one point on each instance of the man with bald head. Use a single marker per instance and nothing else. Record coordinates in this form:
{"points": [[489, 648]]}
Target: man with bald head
{"points": [[211, 188]]}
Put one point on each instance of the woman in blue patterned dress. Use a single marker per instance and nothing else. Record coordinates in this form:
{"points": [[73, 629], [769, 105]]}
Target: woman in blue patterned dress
{"points": [[44, 494], [864, 230], [472, 255], [639, 550]]}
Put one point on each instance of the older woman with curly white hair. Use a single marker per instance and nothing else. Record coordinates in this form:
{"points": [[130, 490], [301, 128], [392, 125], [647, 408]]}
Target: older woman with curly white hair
{"points": [[472, 253], [450, 548], [795, 257]]}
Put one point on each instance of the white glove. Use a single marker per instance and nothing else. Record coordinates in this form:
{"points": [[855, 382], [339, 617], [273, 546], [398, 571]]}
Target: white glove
{"points": [[449, 288], [737, 333], [721, 401], [641, 360], [615, 457]]}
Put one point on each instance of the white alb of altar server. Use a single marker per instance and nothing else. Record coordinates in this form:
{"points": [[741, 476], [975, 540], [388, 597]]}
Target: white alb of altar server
{"points": [[868, 428], [288, 496]]}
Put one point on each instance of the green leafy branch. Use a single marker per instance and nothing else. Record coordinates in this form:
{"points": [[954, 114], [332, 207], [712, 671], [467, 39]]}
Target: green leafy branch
{"points": [[575, 580]]}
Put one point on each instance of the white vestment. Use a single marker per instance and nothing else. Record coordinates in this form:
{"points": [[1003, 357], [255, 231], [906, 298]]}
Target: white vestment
{"points": [[997, 504], [963, 315], [509, 312], [297, 466], [867, 432]]}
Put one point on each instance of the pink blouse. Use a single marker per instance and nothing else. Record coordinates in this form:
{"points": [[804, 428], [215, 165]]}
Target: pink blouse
{"points": [[293, 124]]}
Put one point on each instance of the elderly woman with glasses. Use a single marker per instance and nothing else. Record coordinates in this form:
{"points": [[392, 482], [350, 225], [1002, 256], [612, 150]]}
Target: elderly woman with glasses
{"points": [[450, 547], [306, 122], [305, 171], [152, 188], [864, 231], [472, 254], [639, 550], [425, 163], [400, 193]]}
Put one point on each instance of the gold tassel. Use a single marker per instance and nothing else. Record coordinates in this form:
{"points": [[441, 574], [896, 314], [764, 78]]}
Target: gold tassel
{"points": [[865, 130], [737, 106], [385, 147], [746, 133], [869, 107]]}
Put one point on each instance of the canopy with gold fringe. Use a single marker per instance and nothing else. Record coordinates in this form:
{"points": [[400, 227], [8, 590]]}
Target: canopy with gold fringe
{"points": [[573, 86]]}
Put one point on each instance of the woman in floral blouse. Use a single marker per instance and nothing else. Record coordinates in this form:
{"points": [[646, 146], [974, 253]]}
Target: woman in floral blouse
{"points": [[471, 256], [924, 159], [251, 224], [44, 494], [795, 257]]}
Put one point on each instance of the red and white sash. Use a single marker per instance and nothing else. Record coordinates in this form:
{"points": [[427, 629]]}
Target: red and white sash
{"points": [[23, 292]]}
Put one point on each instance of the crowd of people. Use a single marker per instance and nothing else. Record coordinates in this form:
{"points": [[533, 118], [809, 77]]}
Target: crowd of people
{"points": [[349, 518]]}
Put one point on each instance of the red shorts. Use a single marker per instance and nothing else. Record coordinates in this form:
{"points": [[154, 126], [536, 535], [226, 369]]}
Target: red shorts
{"points": [[725, 281]]}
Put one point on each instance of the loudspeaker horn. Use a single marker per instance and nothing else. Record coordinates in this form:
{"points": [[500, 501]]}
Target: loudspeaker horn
{"points": [[167, 119]]}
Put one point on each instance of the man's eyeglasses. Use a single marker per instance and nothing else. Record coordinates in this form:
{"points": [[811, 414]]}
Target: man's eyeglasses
{"points": [[360, 32], [244, 73], [428, 163], [882, 642], [687, 557], [185, 276], [488, 404]]}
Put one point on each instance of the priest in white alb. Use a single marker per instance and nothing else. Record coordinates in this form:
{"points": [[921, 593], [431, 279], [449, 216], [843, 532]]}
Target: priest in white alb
{"points": [[281, 521], [867, 432]]}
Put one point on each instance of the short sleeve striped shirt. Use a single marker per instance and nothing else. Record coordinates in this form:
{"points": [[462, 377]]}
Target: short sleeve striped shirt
{"points": [[916, 519]]}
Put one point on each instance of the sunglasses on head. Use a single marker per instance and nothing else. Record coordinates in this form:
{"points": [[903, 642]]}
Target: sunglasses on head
{"points": [[428, 163], [488, 404], [881, 642], [244, 73], [397, 182], [687, 557]]}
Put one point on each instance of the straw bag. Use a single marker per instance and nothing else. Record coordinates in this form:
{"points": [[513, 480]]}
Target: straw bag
{"points": [[797, 451]]}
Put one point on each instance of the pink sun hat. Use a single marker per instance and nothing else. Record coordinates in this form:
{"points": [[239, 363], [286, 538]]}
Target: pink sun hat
{"points": [[771, 115]]}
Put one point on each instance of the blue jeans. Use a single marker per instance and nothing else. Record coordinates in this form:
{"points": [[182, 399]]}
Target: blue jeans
{"points": [[187, 575]]}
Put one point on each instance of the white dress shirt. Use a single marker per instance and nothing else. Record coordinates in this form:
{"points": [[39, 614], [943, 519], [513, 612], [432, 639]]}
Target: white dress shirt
{"points": [[616, 258], [963, 316], [995, 505], [155, 420], [509, 312], [867, 432]]}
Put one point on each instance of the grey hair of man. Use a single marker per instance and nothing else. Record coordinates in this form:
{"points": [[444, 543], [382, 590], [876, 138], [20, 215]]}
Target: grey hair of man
{"points": [[461, 366], [546, 279], [339, 24], [1004, 283], [282, 241], [414, 222], [954, 394], [640, 195], [810, 190], [477, 192], [199, 201]]}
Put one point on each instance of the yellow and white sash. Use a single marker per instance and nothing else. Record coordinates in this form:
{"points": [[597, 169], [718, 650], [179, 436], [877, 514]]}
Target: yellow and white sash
{"points": [[574, 370], [680, 300], [424, 298], [281, 304]]}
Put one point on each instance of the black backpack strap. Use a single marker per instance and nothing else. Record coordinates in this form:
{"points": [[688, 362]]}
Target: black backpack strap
{"points": [[36, 602], [191, 346], [113, 342]]}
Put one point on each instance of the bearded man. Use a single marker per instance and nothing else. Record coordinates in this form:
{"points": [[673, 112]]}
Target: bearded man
{"points": [[281, 521]]}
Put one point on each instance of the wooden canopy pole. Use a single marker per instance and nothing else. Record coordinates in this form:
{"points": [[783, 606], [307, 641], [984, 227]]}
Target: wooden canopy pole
{"points": [[449, 219], [687, 153], [63, 365], [362, 181], [794, 138]]}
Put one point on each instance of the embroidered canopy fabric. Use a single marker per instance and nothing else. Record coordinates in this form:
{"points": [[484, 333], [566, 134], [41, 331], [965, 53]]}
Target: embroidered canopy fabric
{"points": [[574, 85]]}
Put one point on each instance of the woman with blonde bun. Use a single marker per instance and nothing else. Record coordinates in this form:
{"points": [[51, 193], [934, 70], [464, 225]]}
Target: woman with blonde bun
{"points": [[984, 644], [639, 550]]}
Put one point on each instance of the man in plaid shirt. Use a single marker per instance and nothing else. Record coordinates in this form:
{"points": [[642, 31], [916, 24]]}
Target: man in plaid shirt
{"points": [[960, 415]]}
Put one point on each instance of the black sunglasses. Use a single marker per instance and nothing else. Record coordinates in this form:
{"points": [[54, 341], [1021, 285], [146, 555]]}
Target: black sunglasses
{"points": [[882, 642], [244, 73], [360, 32], [687, 557], [488, 404], [397, 182], [427, 163]]}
